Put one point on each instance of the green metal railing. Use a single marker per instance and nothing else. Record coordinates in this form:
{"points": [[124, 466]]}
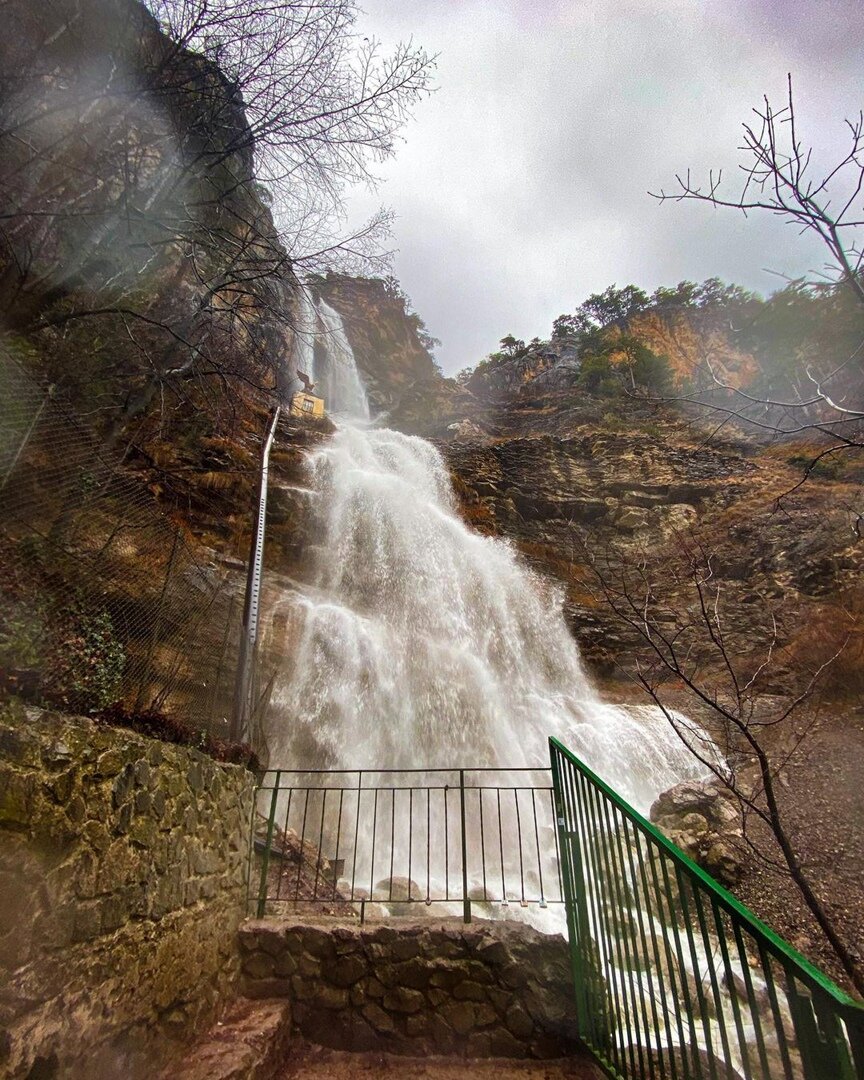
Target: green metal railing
{"points": [[343, 838], [675, 978]]}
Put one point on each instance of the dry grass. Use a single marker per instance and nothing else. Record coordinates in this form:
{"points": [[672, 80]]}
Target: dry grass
{"points": [[833, 635]]}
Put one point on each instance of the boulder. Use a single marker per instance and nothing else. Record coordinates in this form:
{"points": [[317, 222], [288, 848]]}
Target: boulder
{"points": [[704, 820]]}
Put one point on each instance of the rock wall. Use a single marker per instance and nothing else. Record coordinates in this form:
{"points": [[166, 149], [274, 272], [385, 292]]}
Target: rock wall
{"points": [[122, 882], [630, 492], [484, 989]]}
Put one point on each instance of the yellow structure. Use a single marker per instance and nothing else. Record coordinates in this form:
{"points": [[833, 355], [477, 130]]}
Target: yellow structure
{"points": [[303, 404]]}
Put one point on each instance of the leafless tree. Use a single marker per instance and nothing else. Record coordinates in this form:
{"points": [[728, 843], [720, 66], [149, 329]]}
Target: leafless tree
{"points": [[678, 615], [777, 178], [164, 188], [323, 104]]}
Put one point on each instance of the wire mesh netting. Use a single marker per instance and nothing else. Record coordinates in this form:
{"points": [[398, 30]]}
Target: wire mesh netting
{"points": [[105, 595]]}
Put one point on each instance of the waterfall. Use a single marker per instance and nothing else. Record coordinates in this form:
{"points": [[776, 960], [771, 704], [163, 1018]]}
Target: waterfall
{"points": [[322, 351], [339, 380], [418, 642], [305, 329]]}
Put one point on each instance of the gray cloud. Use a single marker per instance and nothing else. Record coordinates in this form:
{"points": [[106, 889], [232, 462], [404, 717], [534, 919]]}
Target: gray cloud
{"points": [[522, 186]]}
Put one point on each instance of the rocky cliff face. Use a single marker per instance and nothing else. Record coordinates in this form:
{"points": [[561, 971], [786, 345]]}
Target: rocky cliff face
{"points": [[138, 260], [568, 487], [404, 384], [691, 347], [569, 476]]}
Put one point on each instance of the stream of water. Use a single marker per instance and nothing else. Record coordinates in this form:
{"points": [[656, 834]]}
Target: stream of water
{"points": [[416, 643], [422, 643]]}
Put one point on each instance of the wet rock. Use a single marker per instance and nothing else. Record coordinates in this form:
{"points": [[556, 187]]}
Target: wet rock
{"points": [[704, 820]]}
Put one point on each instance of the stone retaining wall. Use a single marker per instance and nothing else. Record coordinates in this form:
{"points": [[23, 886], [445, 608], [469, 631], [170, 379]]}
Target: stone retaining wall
{"points": [[416, 986], [122, 883]]}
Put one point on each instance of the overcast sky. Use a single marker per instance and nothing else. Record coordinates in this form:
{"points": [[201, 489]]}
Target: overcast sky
{"points": [[522, 185]]}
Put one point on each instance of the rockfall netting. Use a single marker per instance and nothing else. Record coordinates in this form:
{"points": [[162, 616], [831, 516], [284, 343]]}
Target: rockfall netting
{"points": [[105, 596]]}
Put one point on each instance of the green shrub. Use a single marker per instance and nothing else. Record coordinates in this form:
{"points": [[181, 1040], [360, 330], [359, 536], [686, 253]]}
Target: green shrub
{"points": [[85, 669], [597, 375], [828, 467]]}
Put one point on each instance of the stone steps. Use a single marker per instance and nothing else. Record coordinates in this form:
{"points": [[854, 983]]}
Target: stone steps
{"points": [[310, 1062], [254, 1042], [430, 999], [251, 1042]]}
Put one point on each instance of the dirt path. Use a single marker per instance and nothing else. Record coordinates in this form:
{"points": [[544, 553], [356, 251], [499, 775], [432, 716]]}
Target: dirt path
{"points": [[316, 1063], [823, 801]]}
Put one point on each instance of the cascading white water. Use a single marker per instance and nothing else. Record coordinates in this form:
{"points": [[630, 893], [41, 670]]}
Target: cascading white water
{"points": [[422, 643], [305, 329], [339, 379], [418, 643], [333, 370]]}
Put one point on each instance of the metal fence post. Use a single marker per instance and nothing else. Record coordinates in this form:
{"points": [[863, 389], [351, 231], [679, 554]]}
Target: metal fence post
{"points": [[572, 873], [466, 900], [265, 858], [240, 719]]}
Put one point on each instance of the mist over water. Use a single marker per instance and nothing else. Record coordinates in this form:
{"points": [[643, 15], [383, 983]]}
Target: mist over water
{"points": [[420, 643]]}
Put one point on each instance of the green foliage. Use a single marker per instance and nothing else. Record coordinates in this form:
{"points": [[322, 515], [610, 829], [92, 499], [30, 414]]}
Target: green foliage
{"points": [[85, 669], [803, 331], [597, 376], [22, 634], [570, 327], [512, 346], [614, 306], [649, 369], [828, 467]]}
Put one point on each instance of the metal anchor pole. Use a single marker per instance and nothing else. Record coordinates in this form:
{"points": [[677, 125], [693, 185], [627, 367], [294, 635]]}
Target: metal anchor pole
{"points": [[249, 636]]}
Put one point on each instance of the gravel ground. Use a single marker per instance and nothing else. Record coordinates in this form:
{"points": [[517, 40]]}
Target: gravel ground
{"points": [[316, 1063], [823, 798]]}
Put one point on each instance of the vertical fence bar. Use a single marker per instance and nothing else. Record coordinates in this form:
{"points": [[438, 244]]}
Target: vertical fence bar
{"points": [[445, 792], [338, 838], [608, 943], [482, 842], [356, 833], [265, 858], [410, 837], [466, 900], [320, 844], [501, 848], [578, 926]]}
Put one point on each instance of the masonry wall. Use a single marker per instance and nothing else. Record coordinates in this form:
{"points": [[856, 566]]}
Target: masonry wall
{"points": [[416, 985], [122, 883]]}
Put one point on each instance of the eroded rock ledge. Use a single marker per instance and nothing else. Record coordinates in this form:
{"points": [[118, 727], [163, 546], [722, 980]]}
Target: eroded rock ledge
{"points": [[486, 989]]}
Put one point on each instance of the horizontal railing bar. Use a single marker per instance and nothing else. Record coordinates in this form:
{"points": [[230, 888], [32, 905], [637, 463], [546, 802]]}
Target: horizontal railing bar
{"points": [[456, 898], [784, 952], [431, 769], [405, 787]]}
